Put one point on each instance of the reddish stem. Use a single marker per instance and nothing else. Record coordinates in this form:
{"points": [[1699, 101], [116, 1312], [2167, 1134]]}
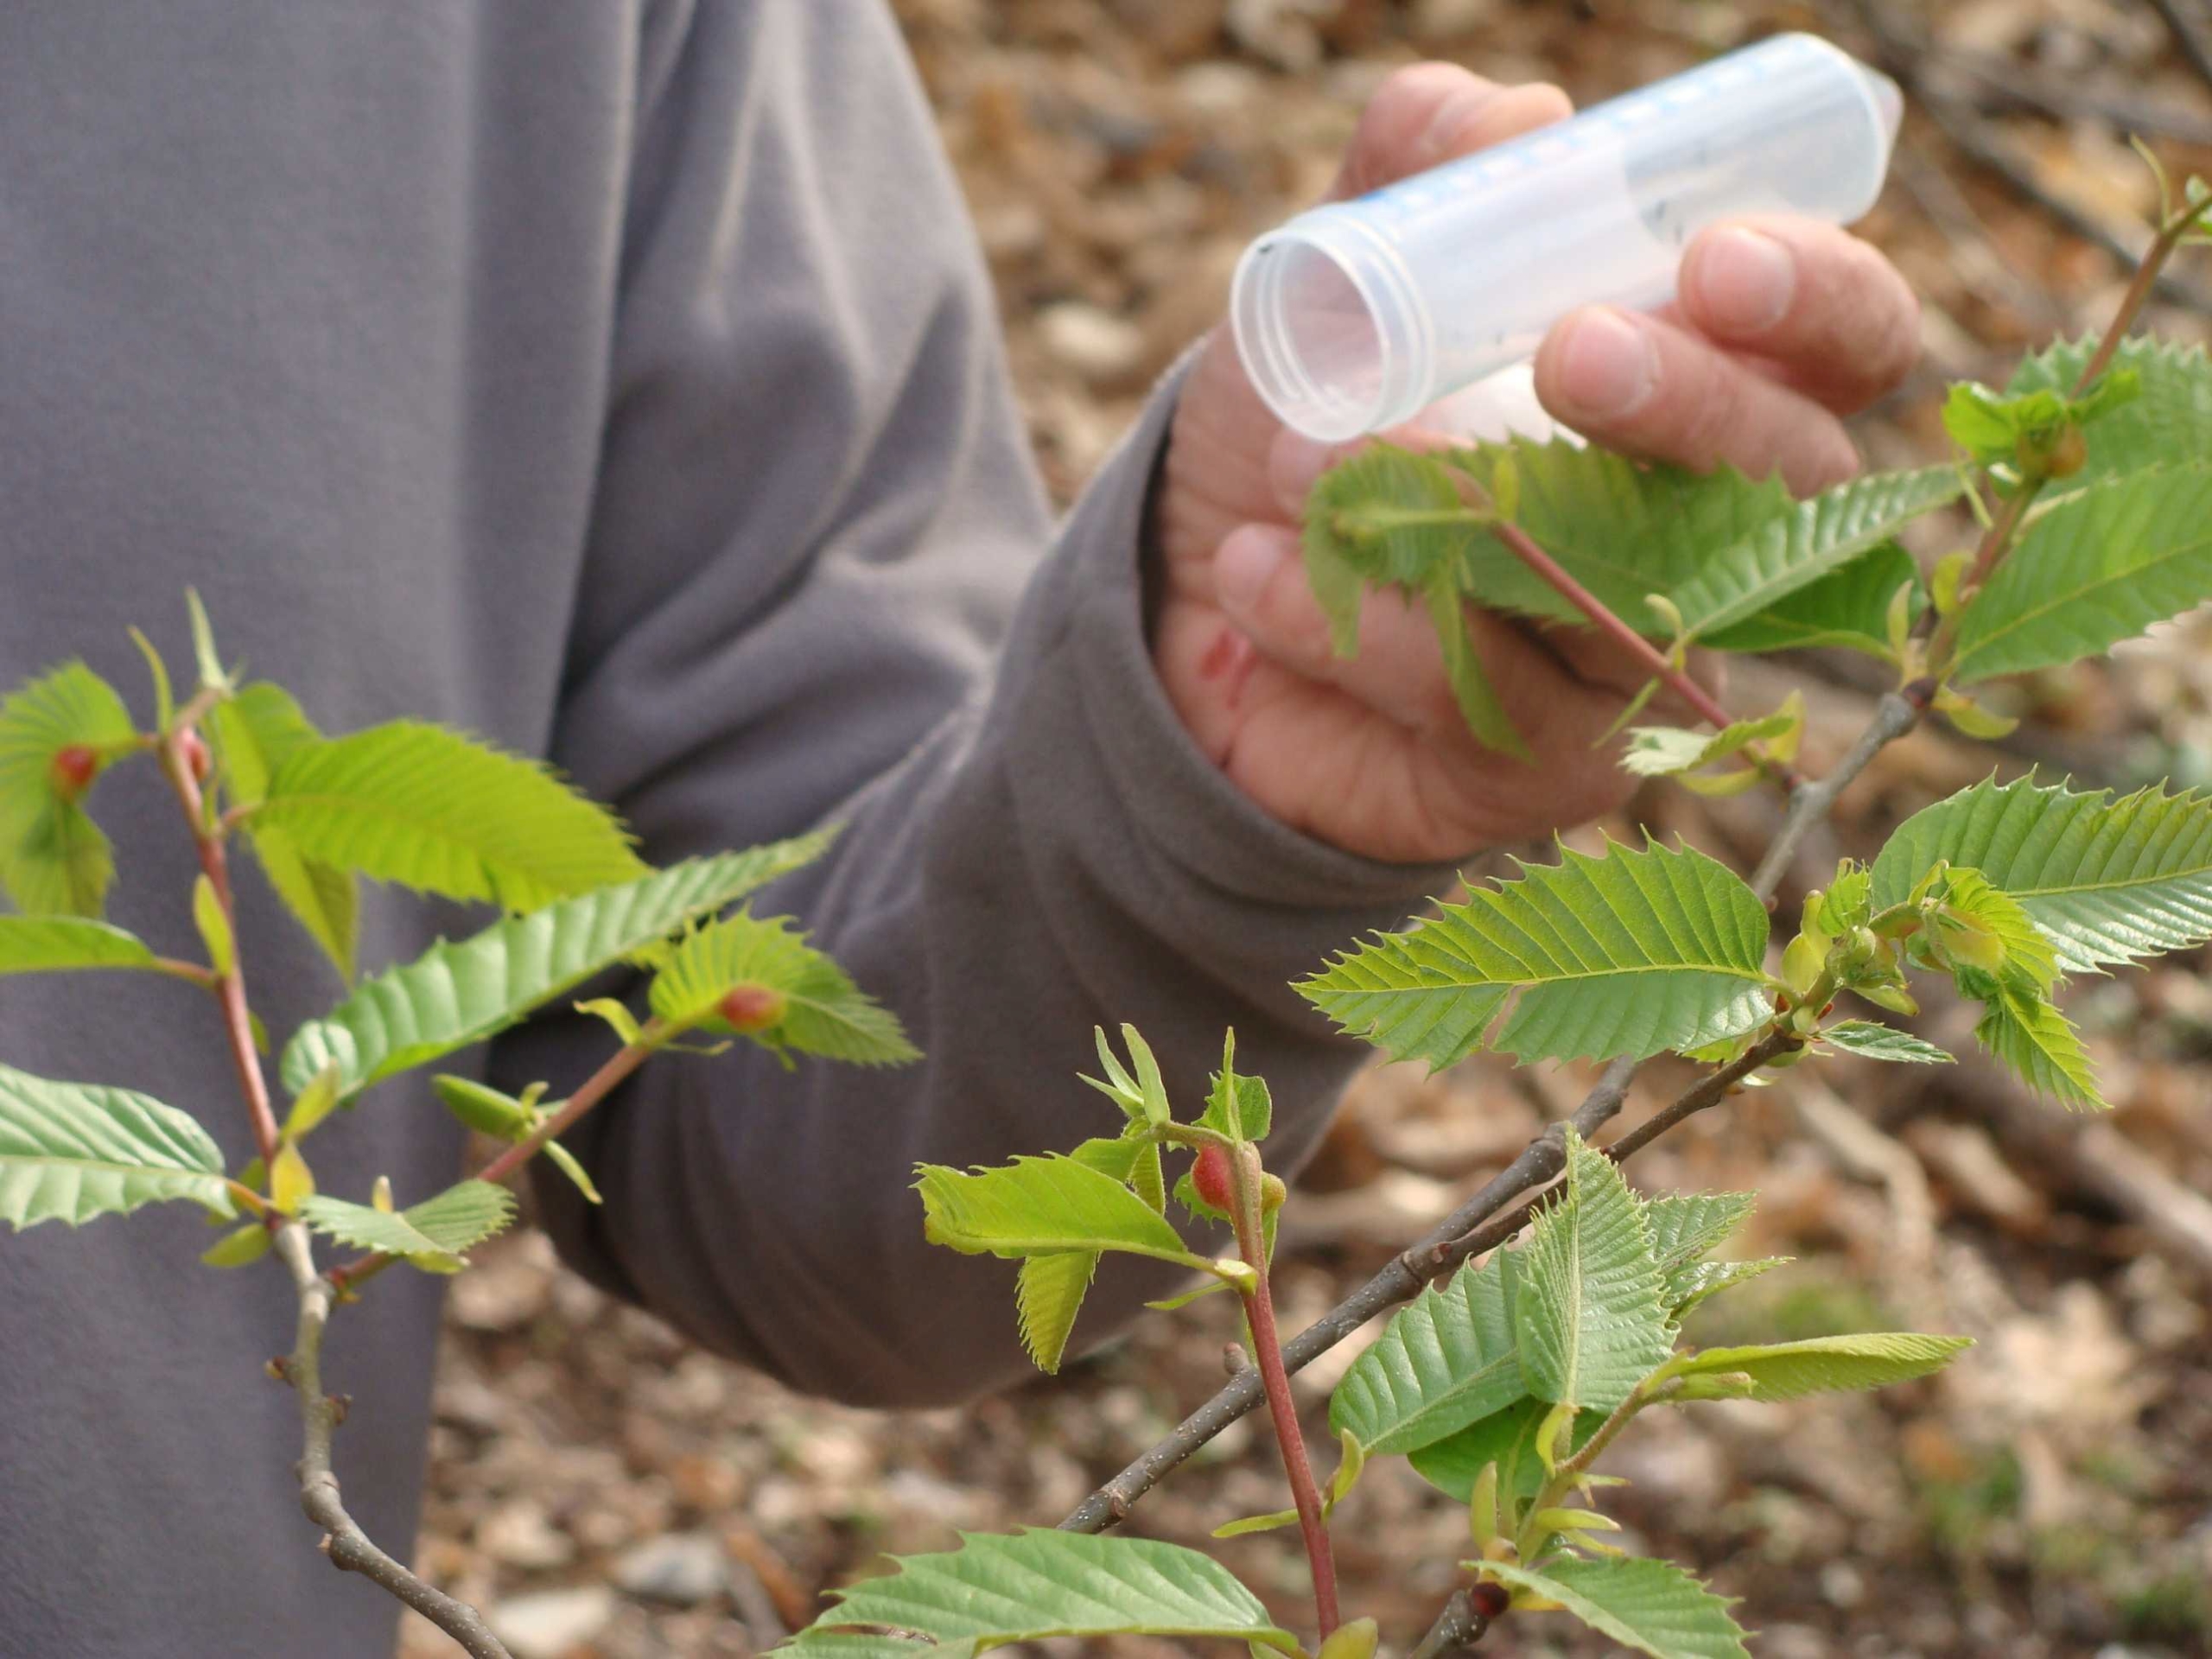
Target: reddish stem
{"points": [[229, 988], [1267, 1351], [1602, 618]]}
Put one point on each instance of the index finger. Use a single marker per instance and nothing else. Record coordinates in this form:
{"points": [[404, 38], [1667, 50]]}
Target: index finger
{"points": [[1426, 114]]}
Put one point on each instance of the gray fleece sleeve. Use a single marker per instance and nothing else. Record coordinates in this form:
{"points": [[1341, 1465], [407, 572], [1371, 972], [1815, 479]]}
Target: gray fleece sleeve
{"points": [[824, 586]]}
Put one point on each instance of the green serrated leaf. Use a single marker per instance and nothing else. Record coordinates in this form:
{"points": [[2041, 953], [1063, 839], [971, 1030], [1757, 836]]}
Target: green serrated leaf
{"points": [[1814, 538], [431, 1235], [1385, 516], [1504, 1438], [1685, 1226], [1627, 955], [824, 1012], [255, 733], [1789, 1370], [1048, 1293], [1663, 751], [434, 810], [54, 859], [1976, 907], [1480, 703], [2168, 420], [1238, 1107], [1448, 1358], [1847, 608], [1873, 1041], [1623, 530], [1590, 1310], [1652, 1607], [2092, 570], [2107, 881], [1688, 1286], [458, 993], [1043, 1583], [1039, 1204], [2028, 1034], [71, 1151], [48, 944]]}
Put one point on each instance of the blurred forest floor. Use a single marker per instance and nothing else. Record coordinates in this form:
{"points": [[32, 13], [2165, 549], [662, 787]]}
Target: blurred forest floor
{"points": [[612, 1493]]}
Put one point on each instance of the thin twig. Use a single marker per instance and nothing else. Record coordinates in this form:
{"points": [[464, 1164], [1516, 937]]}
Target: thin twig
{"points": [[350, 1549], [1456, 1627], [1477, 1224]]}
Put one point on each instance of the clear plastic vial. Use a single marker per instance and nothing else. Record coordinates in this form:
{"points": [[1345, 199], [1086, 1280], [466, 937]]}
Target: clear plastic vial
{"points": [[1355, 316]]}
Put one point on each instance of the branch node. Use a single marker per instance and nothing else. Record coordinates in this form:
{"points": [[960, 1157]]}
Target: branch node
{"points": [[1234, 1358]]}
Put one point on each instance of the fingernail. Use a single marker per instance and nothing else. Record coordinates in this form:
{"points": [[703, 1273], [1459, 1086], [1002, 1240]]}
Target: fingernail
{"points": [[1609, 367], [1242, 569], [1746, 280]]}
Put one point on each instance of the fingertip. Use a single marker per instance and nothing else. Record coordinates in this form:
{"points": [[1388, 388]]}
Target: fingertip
{"points": [[1247, 564], [1598, 364], [1738, 283]]}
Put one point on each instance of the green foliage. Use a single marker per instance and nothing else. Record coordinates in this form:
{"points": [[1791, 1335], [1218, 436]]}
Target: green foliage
{"points": [[73, 1151], [1238, 1107], [2027, 425], [825, 1013], [1040, 1204], [1630, 954], [431, 810], [2034, 1039], [1872, 1041], [455, 994], [1660, 547], [1685, 1226], [1652, 1607], [54, 859], [2168, 422], [1048, 1293], [254, 733], [1506, 1438], [1590, 1314], [1813, 539], [2107, 881], [430, 1234], [1040, 1583], [1789, 1370], [1625, 531], [1669, 752], [1449, 1357], [2094, 568], [47, 944], [1849, 608]]}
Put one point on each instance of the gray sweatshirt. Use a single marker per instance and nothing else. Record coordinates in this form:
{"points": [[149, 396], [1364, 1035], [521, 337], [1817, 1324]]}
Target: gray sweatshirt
{"points": [[617, 380]]}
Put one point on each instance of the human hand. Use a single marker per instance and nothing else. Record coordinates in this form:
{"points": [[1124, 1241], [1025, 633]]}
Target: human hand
{"points": [[1783, 326]]}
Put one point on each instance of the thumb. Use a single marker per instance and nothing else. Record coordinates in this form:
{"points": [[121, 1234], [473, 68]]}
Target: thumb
{"points": [[1426, 114]]}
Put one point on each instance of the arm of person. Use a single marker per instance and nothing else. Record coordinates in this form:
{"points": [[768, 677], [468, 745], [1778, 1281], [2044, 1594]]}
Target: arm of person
{"points": [[816, 516]]}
